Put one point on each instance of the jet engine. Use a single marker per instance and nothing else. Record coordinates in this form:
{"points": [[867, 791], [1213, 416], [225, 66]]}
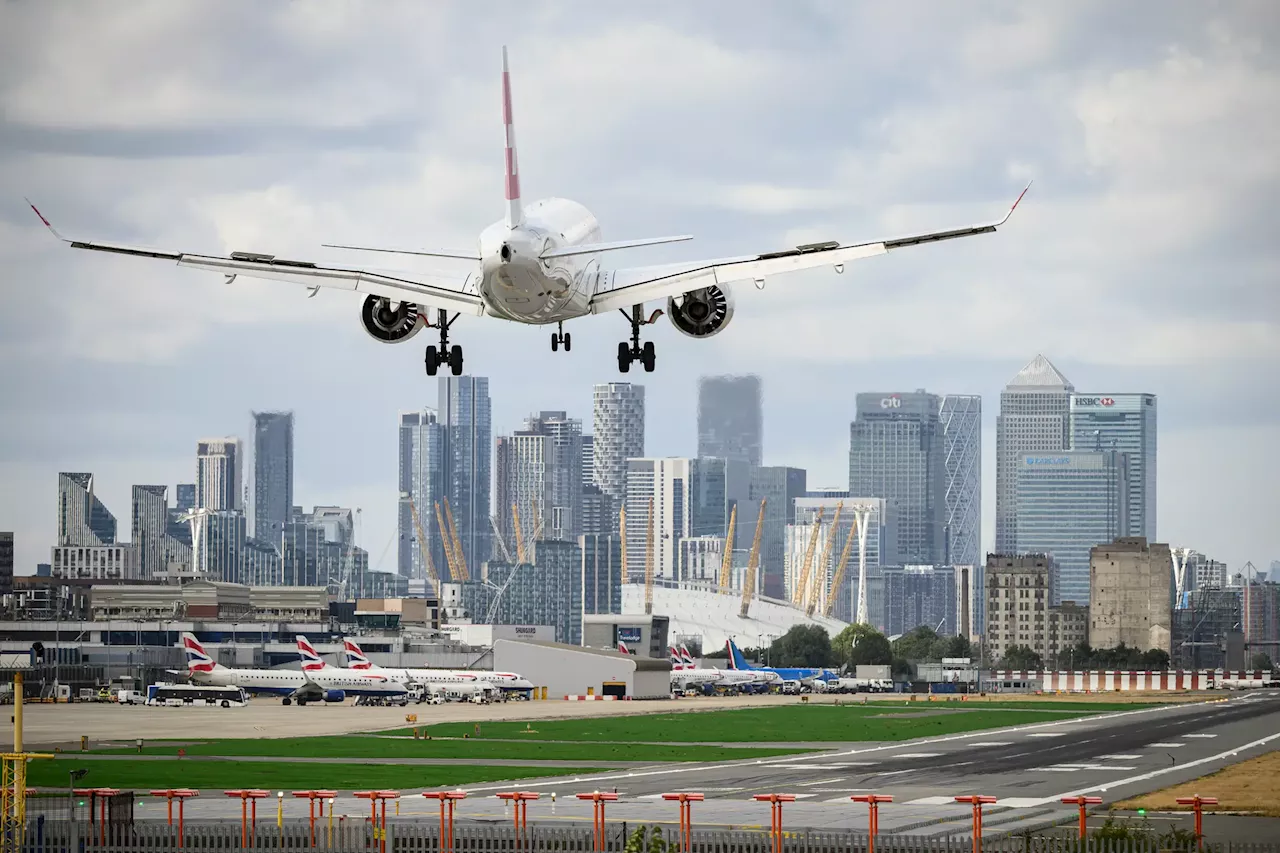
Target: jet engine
{"points": [[334, 696], [701, 313], [391, 322]]}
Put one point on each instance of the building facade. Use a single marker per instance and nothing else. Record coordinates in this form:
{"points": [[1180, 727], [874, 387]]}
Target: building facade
{"points": [[272, 473], [1034, 418], [779, 487], [961, 418], [731, 418], [598, 513], [539, 470], [159, 551], [117, 561], [184, 497], [1068, 502], [617, 435], [82, 518], [666, 482], [1019, 595], [920, 595], [6, 562], [878, 550], [466, 415], [601, 573], [1124, 423], [422, 487], [1131, 594], [219, 474], [547, 592], [897, 452]]}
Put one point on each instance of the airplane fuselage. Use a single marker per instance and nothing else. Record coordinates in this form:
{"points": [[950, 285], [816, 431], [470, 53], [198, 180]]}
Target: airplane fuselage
{"points": [[285, 682]]}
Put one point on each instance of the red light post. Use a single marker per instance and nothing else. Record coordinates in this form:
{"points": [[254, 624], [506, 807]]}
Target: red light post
{"points": [[379, 827], [314, 797], [181, 795], [775, 802], [1083, 803], [102, 795], [873, 802], [977, 802], [598, 800], [446, 826], [686, 815], [520, 805], [1196, 803], [246, 796]]}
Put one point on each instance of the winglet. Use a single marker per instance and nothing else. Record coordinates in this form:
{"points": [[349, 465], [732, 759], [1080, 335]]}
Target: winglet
{"points": [[1015, 204], [47, 223]]}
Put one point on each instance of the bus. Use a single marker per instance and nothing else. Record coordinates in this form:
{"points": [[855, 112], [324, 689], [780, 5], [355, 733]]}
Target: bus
{"points": [[198, 695]]}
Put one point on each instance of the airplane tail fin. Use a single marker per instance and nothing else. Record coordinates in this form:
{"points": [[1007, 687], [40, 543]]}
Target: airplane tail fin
{"points": [[686, 657], [197, 659], [676, 661], [736, 658], [515, 210], [311, 660], [622, 648], [356, 658]]}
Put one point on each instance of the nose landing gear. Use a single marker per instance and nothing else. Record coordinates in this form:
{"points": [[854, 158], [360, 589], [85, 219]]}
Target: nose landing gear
{"points": [[451, 355], [560, 337], [634, 351]]}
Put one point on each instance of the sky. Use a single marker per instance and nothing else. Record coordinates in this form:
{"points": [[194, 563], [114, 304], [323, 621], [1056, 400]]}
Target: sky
{"points": [[1140, 261]]}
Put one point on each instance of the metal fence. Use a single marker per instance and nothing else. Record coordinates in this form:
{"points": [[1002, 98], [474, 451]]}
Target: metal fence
{"points": [[407, 836]]}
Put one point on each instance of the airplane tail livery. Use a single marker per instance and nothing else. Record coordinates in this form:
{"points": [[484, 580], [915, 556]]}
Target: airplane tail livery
{"points": [[736, 659], [622, 647], [197, 659], [356, 658], [311, 660], [677, 662], [685, 657]]}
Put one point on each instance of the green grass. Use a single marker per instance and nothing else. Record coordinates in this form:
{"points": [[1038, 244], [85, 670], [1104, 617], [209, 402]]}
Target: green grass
{"points": [[792, 723], [356, 746], [216, 776]]}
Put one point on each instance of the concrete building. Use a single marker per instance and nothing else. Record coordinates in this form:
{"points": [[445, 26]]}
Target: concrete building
{"points": [[601, 573], [598, 513], [961, 418], [572, 671], [700, 560], [546, 592], [1019, 591], [1207, 633], [1034, 418], [617, 435], [779, 487], [6, 562], [184, 497], [219, 474], [588, 462], [897, 452], [731, 418], [82, 518], [1069, 502], [1124, 423], [920, 595], [118, 561], [1261, 603], [422, 485], [1203, 572], [1131, 593], [646, 636], [539, 470], [1068, 628], [688, 500], [159, 552], [465, 414], [272, 473]]}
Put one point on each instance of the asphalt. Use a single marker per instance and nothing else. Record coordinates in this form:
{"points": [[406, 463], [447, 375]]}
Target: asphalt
{"points": [[1028, 768]]}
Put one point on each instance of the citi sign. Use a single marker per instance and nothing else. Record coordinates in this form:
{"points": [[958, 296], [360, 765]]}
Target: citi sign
{"points": [[1095, 401], [894, 402]]}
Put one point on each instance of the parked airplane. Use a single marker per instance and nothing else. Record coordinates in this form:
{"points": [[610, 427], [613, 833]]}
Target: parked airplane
{"points": [[624, 649], [464, 680], [806, 675], [543, 263], [685, 673], [300, 686]]}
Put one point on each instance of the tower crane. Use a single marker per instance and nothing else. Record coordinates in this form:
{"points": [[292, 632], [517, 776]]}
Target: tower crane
{"points": [[459, 556], [840, 569], [648, 564], [753, 562], [502, 543], [520, 552], [798, 594], [824, 564], [422, 543], [726, 563], [449, 556]]}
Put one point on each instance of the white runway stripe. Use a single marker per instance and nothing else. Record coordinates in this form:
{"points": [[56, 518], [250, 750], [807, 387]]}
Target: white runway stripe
{"points": [[993, 743], [932, 801], [1200, 735], [1122, 757], [917, 755], [1047, 734], [1165, 745]]}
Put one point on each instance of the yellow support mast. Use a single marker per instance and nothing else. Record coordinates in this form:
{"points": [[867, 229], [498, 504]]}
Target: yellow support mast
{"points": [[798, 594], [726, 563], [449, 556], [824, 564], [13, 779], [840, 568], [515, 516], [422, 544], [457, 543], [753, 563], [648, 564]]}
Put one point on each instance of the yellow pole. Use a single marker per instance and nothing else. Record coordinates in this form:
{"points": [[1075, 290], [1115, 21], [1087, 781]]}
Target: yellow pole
{"points": [[17, 712]]}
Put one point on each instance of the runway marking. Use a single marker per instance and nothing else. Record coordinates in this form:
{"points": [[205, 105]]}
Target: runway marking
{"points": [[1048, 734], [1071, 768], [791, 766], [822, 782], [1200, 735], [931, 801], [897, 772], [1165, 745], [1019, 802], [993, 743], [917, 755], [1122, 757]]}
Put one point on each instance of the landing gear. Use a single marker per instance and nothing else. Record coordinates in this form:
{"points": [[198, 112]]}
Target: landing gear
{"points": [[437, 357], [634, 351], [560, 337]]}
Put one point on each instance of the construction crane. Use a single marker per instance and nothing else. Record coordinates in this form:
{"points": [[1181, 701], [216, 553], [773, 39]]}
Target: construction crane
{"points": [[753, 561], [422, 543], [726, 563], [459, 556], [502, 543], [520, 552], [840, 569], [449, 556], [798, 594], [824, 563], [648, 564], [537, 522]]}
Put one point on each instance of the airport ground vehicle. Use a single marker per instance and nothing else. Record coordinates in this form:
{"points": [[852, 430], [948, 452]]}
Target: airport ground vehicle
{"points": [[198, 695]]}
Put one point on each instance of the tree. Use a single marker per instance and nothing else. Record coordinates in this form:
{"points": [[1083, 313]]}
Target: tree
{"points": [[1155, 659], [1021, 658], [803, 645], [917, 644], [859, 645], [1262, 661]]}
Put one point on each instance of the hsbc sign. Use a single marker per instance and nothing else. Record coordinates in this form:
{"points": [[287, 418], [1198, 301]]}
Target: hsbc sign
{"points": [[894, 402], [1095, 401]]}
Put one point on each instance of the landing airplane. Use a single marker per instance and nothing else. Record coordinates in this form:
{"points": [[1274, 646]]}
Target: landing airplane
{"points": [[543, 263]]}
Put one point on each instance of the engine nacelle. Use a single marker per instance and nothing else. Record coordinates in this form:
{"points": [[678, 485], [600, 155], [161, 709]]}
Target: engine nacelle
{"points": [[334, 696], [701, 313], [391, 322]]}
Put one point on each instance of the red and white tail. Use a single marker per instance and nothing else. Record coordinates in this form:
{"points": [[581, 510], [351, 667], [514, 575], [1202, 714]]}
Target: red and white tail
{"points": [[515, 211], [311, 660], [686, 657], [622, 647], [356, 658], [198, 659]]}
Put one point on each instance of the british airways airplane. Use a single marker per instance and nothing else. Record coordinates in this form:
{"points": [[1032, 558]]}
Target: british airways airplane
{"points": [[543, 263], [463, 681]]}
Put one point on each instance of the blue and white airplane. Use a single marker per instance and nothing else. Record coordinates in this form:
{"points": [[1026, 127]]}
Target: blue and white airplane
{"points": [[806, 675]]}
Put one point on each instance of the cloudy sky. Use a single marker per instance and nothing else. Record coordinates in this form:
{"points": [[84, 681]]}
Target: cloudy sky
{"points": [[1142, 259]]}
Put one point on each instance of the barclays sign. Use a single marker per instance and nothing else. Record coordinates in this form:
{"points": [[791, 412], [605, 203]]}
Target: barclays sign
{"points": [[1048, 460]]}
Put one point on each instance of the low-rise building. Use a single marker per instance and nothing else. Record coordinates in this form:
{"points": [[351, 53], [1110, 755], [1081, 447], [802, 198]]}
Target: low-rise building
{"points": [[1131, 594]]}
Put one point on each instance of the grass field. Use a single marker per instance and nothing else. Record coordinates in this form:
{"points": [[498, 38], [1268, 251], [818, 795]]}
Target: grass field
{"points": [[357, 746], [790, 723], [1251, 786], [287, 776]]}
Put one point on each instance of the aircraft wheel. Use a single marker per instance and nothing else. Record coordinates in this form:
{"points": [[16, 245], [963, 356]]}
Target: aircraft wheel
{"points": [[555, 342], [286, 701], [432, 360], [567, 341], [455, 360], [624, 357], [648, 356]]}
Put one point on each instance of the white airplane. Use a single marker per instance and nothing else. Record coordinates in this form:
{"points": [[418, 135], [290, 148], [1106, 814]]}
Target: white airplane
{"points": [[685, 673], [543, 263], [302, 687], [462, 681]]}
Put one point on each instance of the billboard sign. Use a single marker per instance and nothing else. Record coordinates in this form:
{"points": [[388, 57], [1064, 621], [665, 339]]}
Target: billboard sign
{"points": [[628, 634], [1093, 401]]}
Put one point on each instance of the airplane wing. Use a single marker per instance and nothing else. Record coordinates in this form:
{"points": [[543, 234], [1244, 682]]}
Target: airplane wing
{"points": [[623, 288], [437, 291]]}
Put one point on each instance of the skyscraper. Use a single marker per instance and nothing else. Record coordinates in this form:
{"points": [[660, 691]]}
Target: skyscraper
{"points": [[82, 518], [1034, 409], [1125, 423], [897, 452], [961, 416], [539, 471], [666, 482], [421, 478], [730, 418], [466, 417], [272, 473], [6, 562], [157, 548], [184, 497], [617, 435], [779, 486], [588, 461], [601, 573], [219, 473]]}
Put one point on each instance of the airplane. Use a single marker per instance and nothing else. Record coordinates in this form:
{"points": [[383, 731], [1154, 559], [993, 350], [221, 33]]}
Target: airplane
{"points": [[543, 263], [294, 686], [623, 649], [806, 675], [685, 673], [466, 680]]}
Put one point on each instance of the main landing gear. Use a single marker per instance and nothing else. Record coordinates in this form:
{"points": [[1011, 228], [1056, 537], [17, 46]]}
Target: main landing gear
{"points": [[445, 354], [560, 337], [634, 351]]}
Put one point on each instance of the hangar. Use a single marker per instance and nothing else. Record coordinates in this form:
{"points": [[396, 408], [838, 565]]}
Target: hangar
{"points": [[577, 671]]}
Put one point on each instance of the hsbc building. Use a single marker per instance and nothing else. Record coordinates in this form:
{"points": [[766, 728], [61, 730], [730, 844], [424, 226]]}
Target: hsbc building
{"points": [[1124, 423]]}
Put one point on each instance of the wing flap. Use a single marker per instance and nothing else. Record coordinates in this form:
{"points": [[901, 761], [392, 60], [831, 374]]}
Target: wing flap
{"points": [[593, 248]]}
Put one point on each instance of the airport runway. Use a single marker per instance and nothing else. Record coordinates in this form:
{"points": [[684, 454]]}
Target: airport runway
{"points": [[1029, 768]]}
